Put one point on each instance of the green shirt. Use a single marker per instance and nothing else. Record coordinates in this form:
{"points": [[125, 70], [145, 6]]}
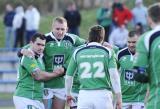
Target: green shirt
{"points": [[148, 56], [132, 91], [57, 53], [27, 86], [76, 83], [104, 17], [92, 63]]}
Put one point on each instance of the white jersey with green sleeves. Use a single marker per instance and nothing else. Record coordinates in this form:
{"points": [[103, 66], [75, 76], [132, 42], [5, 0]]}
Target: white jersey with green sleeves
{"points": [[92, 63], [57, 53], [148, 56], [27, 86], [132, 91]]}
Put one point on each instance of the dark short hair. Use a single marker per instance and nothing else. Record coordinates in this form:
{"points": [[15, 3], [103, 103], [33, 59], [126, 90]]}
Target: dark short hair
{"points": [[96, 33], [38, 35], [132, 33], [154, 12]]}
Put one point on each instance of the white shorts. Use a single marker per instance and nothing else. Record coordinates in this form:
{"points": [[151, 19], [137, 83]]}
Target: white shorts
{"points": [[25, 103], [95, 99], [136, 105], [75, 99], [50, 93]]}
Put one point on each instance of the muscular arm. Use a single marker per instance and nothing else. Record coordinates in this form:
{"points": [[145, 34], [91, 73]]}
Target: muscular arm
{"points": [[42, 75]]}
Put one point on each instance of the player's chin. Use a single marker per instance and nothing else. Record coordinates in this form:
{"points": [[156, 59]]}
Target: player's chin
{"points": [[40, 52], [60, 36]]}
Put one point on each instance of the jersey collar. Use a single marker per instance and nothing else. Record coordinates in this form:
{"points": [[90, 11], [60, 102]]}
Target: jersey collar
{"points": [[94, 43], [157, 27]]}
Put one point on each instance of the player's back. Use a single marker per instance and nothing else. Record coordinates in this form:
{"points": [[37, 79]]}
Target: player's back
{"points": [[148, 50], [92, 62], [155, 61]]}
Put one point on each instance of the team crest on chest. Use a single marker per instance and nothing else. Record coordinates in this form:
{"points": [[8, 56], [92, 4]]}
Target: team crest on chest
{"points": [[129, 78], [58, 59], [67, 44]]}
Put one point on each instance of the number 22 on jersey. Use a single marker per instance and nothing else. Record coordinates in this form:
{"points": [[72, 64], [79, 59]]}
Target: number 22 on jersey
{"points": [[92, 70]]}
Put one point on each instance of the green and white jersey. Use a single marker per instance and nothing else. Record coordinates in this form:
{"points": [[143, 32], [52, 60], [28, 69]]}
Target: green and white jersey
{"points": [[57, 53], [115, 49], [92, 63], [148, 56], [132, 91], [27, 86], [76, 83]]}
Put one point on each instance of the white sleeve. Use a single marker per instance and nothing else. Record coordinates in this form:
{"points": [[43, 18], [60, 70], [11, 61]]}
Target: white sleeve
{"points": [[68, 84], [115, 80]]}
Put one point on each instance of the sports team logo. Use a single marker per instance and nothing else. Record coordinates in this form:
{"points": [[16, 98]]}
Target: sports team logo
{"points": [[58, 60], [67, 44], [129, 77]]}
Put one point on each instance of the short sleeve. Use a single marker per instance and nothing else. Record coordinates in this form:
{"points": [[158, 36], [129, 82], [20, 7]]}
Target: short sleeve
{"points": [[30, 64]]}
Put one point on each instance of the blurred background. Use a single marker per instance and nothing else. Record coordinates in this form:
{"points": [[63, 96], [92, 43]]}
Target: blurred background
{"points": [[16, 19]]}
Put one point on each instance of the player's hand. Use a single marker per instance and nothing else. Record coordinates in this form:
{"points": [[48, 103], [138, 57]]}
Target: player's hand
{"points": [[119, 104], [59, 71], [27, 53], [106, 44], [69, 100]]}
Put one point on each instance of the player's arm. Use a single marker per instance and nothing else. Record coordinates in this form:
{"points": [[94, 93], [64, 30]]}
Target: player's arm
{"points": [[140, 74], [115, 79], [31, 67], [79, 41], [25, 51], [141, 62], [140, 66], [69, 79], [38, 74]]}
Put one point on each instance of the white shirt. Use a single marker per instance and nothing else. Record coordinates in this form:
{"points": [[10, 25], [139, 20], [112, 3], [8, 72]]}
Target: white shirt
{"points": [[32, 19], [118, 37], [140, 15], [18, 18]]}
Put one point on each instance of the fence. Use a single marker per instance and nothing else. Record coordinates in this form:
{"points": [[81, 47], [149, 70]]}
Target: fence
{"points": [[8, 69]]}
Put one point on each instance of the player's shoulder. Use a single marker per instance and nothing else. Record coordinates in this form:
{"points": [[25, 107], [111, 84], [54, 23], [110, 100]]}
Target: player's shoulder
{"points": [[26, 59], [48, 34], [146, 38], [70, 37], [81, 46], [122, 52], [49, 37]]}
